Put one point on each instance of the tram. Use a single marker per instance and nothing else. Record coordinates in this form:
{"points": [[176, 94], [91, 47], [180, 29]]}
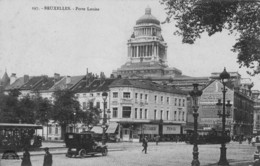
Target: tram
{"points": [[17, 136], [211, 136]]}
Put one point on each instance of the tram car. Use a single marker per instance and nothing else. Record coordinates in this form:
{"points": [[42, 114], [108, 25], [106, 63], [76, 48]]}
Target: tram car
{"points": [[18, 136], [211, 136], [82, 144]]}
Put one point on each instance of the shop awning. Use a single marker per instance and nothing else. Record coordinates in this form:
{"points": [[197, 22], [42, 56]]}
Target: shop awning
{"points": [[112, 128], [97, 129]]}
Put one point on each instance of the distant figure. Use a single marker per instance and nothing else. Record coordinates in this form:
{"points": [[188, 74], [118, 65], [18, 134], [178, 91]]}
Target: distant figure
{"points": [[145, 144], [26, 160], [249, 140], [157, 139], [47, 158], [253, 141]]}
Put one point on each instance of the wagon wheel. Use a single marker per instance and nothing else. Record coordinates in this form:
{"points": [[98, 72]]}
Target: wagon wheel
{"points": [[68, 154], [82, 153], [104, 151]]}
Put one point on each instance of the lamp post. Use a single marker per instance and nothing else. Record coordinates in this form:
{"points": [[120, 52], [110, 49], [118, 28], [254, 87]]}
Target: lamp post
{"points": [[104, 96], [224, 77], [74, 120], [195, 93]]}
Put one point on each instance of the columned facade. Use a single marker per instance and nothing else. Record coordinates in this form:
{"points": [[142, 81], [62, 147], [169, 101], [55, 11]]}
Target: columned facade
{"points": [[147, 51]]}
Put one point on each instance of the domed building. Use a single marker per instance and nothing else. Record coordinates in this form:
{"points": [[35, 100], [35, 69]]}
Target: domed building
{"points": [[147, 51]]}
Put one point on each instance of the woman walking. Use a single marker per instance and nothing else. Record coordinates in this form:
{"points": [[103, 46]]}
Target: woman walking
{"points": [[26, 160]]}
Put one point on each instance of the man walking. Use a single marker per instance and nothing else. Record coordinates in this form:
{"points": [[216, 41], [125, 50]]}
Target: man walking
{"points": [[47, 158], [145, 144], [157, 139]]}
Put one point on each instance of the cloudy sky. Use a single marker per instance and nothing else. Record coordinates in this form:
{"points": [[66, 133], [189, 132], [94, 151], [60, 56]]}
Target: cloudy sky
{"points": [[44, 42]]}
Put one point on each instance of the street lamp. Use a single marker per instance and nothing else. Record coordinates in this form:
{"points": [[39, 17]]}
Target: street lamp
{"points": [[224, 77], [74, 119], [195, 93], [104, 96]]}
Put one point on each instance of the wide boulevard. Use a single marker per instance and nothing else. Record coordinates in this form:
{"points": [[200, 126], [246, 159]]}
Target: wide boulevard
{"points": [[130, 154]]}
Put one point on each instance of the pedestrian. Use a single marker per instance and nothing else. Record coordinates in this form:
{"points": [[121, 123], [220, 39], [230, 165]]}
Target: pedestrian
{"points": [[253, 141], [157, 139], [249, 139], [26, 160], [145, 144], [47, 158]]}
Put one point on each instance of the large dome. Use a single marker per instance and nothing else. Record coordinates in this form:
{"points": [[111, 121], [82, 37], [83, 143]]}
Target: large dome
{"points": [[147, 18]]}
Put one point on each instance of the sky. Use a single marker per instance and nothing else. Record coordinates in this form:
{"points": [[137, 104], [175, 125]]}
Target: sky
{"points": [[68, 42]]}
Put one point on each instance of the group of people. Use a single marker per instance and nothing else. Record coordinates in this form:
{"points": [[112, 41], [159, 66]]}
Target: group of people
{"points": [[26, 159]]}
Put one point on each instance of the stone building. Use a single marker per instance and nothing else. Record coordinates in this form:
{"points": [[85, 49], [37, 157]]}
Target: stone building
{"points": [[147, 51], [146, 108], [256, 127]]}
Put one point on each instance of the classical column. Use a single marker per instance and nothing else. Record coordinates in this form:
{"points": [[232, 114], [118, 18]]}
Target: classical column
{"points": [[137, 51], [146, 47]]}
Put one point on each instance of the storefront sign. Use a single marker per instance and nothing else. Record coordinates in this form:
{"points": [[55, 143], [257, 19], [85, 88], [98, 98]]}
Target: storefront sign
{"points": [[215, 121], [148, 129], [171, 129]]}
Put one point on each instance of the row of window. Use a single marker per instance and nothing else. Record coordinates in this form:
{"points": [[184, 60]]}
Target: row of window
{"points": [[140, 96], [91, 104], [143, 114]]}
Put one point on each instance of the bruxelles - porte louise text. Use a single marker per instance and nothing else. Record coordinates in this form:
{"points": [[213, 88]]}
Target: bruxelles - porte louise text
{"points": [[68, 8]]}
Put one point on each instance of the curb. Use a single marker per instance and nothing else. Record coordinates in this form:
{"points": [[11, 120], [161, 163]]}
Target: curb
{"points": [[63, 152]]}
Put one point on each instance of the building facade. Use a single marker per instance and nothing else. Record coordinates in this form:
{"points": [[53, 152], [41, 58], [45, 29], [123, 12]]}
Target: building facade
{"points": [[256, 127], [240, 119], [146, 108], [147, 51]]}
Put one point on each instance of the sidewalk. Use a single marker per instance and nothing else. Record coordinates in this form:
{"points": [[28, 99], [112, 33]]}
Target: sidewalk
{"points": [[58, 148]]}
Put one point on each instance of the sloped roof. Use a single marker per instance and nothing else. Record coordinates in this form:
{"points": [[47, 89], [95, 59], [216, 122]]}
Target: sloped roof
{"points": [[31, 83], [17, 84], [96, 85], [145, 84], [46, 83], [62, 83]]}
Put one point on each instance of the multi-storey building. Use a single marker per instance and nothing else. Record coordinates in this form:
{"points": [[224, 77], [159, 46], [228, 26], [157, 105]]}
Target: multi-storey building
{"points": [[256, 127], [146, 108], [240, 121]]}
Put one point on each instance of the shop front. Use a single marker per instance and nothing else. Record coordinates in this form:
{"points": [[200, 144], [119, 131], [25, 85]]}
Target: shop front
{"points": [[171, 132], [136, 131]]}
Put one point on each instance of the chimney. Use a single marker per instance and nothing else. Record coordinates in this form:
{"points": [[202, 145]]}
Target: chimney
{"points": [[25, 78], [68, 79], [56, 76], [13, 78]]}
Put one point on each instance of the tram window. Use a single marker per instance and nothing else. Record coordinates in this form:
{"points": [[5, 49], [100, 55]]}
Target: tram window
{"points": [[56, 130], [50, 130]]}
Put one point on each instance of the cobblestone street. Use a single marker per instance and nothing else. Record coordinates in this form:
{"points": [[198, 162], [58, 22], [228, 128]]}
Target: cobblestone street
{"points": [[129, 154]]}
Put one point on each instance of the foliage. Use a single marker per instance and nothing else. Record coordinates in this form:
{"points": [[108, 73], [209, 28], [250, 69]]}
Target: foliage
{"points": [[8, 107], [26, 109], [91, 115], [194, 17], [65, 106], [43, 108]]}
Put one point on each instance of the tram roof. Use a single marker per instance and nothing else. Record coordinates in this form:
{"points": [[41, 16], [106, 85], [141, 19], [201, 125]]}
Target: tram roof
{"points": [[19, 125]]}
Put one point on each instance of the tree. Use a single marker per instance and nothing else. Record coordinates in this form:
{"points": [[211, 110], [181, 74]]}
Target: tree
{"points": [[66, 109], [26, 110], [194, 17], [91, 115], [8, 107], [43, 108]]}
